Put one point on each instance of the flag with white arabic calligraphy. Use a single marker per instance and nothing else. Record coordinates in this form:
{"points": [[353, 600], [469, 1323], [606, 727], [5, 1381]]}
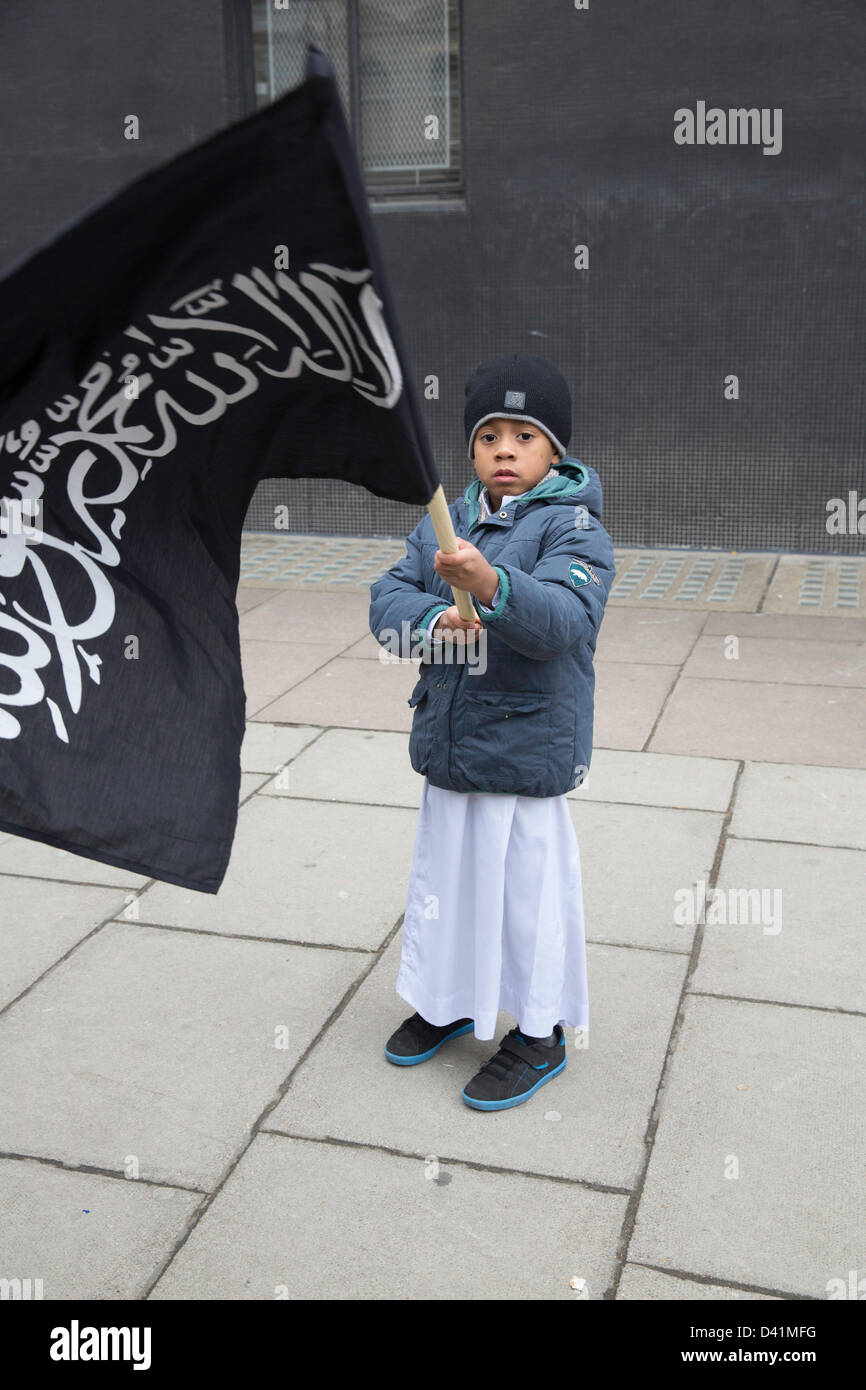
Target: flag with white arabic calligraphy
{"points": [[224, 319]]}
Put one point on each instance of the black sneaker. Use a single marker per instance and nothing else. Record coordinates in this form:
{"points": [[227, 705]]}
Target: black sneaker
{"points": [[416, 1039], [515, 1072]]}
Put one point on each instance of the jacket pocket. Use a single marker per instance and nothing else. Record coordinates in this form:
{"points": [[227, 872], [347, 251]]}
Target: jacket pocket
{"points": [[501, 740], [420, 737]]}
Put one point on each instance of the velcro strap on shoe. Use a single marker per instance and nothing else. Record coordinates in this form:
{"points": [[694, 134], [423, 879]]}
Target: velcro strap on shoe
{"points": [[527, 1052]]}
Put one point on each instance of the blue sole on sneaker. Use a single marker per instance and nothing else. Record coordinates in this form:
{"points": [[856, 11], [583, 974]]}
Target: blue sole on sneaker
{"points": [[423, 1056], [514, 1100]]}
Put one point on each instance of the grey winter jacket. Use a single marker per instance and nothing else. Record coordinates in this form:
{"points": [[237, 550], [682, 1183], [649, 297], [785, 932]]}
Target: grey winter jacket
{"points": [[523, 724]]}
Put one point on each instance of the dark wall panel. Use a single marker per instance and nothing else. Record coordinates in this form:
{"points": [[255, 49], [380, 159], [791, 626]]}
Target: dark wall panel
{"points": [[71, 70], [704, 260]]}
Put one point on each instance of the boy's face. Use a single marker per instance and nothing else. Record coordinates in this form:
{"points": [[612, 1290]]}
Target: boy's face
{"points": [[511, 456]]}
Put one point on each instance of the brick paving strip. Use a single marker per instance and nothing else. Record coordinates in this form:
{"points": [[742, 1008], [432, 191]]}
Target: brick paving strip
{"points": [[197, 1104]]}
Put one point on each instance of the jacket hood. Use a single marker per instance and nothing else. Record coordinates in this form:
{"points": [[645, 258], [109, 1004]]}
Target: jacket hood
{"points": [[576, 482]]}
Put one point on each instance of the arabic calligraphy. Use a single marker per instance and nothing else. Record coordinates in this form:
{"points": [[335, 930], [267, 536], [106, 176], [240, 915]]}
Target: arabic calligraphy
{"points": [[126, 414]]}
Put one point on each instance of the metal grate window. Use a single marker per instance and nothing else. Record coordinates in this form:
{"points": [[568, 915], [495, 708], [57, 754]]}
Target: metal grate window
{"points": [[397, 64]]}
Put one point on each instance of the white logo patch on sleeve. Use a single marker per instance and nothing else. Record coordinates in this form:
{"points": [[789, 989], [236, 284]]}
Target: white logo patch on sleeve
{"points": [[581, 573]]}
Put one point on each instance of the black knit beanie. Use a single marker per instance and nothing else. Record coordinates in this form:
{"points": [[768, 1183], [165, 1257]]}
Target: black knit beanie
{"points": [[519, 387]]}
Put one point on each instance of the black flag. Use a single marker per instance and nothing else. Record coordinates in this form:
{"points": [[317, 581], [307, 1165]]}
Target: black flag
{"points": [[224, 319]]}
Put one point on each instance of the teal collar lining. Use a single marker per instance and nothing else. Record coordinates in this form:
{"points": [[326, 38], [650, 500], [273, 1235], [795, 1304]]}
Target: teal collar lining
{"points": [[573, 477]]}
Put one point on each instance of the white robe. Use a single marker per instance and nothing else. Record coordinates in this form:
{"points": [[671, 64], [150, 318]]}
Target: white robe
{"points": [[494, 912]]}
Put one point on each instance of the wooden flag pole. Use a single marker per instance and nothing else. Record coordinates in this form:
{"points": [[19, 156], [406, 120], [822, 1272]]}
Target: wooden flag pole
{"points": [[444, 528]]}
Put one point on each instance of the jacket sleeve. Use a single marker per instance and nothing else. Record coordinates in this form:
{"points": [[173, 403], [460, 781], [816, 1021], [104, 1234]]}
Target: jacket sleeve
{"points": [[400, 597], [561, 603]]}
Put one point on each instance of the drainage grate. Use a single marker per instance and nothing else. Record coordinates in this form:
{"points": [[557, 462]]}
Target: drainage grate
{"points": [[812, 588], [848, 584], [668, 579], [327, 561], [662, 580], [625, 584], [818, 585], [817, 573], [728, 582], [695, 580]]}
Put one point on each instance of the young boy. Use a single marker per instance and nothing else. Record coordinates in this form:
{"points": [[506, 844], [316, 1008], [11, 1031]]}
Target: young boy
{"points": [[494, 913]]}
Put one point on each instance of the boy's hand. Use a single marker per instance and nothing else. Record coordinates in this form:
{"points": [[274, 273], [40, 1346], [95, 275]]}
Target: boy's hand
{"points": [[467, 569], [451, 621]]}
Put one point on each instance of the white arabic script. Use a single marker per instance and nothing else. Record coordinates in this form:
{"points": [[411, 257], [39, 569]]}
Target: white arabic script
{"points": [[120, 419]]}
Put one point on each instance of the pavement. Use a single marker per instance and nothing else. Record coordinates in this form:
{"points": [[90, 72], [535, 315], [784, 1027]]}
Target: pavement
{"points": [[196, 1101]]}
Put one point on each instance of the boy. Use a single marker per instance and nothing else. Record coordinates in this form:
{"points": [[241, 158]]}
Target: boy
{"points": [[494, 914]]}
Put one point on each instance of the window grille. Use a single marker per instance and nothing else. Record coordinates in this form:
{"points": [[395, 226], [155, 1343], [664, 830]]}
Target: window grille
{"points": [[397, 65]]}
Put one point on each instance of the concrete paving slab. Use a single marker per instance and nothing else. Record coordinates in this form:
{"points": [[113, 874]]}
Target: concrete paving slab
{"points": [[366, 647], [373, 767], [322, 1222], [157, 1052], [302, 871], [812, 805], [268, 747], [296, 617], [250, 596], [639, 1283], [359, 694], [764, 722], [792, 626], [84, 1235], [31, 858], [658, 779], [353, 765], [628, 698], [587, 1124], [250, 783], [271, 668], [658, 637], [634, 859], [41, 920], [798, 936], [783, 1094], [787, 659], [160, 1045]]}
